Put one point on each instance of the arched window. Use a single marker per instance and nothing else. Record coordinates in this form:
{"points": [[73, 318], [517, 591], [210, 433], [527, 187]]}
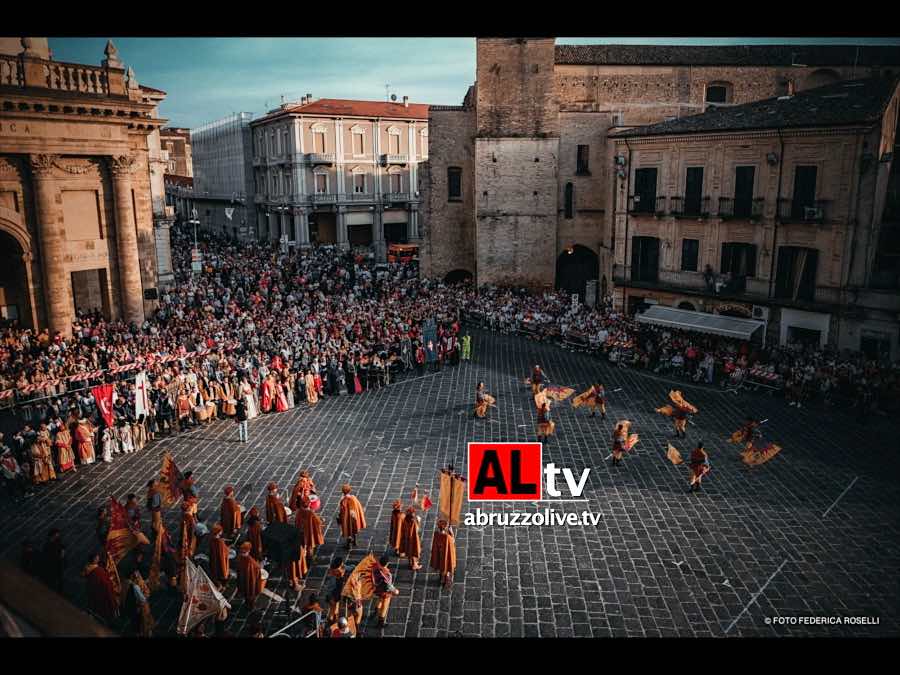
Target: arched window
{"points": [[821, 78], [393, 141], [569, 201]]}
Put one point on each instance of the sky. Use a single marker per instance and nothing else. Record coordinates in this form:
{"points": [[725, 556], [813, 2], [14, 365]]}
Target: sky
{"points": [[209, 78]]}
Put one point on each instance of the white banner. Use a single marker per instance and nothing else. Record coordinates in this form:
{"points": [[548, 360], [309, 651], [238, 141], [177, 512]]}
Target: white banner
{"points": [[141, 394], [229, 213], [202, 600]]}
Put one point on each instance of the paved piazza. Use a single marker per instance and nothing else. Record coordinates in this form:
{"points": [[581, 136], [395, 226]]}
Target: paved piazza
{"points": [[816, 528]]}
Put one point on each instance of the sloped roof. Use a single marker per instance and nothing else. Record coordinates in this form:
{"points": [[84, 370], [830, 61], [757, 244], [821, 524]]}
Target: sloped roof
{"points": [[715, 324], [727, 55], [348, 108], [841, 103]]}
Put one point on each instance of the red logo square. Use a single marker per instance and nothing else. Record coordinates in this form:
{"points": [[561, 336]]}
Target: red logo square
{"points": [[505, 471]]}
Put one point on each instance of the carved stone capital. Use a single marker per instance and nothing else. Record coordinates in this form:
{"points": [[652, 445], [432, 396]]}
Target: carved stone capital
{"points": [[42, 165], [122, 165]]}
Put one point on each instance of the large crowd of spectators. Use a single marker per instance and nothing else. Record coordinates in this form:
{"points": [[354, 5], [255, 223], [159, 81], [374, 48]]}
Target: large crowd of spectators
{"points": [[263, 330]]}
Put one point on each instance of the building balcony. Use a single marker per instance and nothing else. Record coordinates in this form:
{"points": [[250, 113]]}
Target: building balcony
{"points": [[682, 207], [741, 209], [358, 197], [651, 207], [394, 159], [320, 157], [324, 198], [797, 211], [395, 197]]}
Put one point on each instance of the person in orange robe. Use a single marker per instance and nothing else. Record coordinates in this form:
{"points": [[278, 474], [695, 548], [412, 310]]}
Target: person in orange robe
{"points": [[443, 553], [265, 395], [274, 507], [231, 514], [311, 526], [331, 588], [254, 533], [396, 525], [296, 570], [63, 445], [699, 466], [351, 515], [84, 440], [219, 564], [410, 541], [188, 528], [249, 575], [312, 396], [102, 599], [42, 457], [304, 485], [384, 588]]}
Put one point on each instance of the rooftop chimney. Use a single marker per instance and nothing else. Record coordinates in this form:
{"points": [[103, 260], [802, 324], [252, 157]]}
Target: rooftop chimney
{"points": [[309, 98], [406, 101]]}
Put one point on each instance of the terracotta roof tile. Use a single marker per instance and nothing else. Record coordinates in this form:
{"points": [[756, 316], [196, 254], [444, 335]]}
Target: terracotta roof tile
{"points": [[347, 108]]}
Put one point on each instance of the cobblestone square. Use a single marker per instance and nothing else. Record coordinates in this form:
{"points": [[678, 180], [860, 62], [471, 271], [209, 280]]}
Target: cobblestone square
{"points": [[812, 533]]}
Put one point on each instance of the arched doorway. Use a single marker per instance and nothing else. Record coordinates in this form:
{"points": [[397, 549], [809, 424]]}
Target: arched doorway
{"points": [[687, 306], [457, 277], [575, 267], [15, 299]]}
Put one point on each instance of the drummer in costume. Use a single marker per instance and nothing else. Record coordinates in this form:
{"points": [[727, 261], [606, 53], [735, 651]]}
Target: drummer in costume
{"points": [[546, 427], [594, 398], [276, 512], [537, 380], [699, 466], [310, 524], [304, 485], [231, 513], [483, 400], [384, 588], [351, 516]]}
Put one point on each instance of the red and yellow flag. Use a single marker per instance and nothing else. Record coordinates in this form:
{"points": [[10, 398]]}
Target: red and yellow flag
{"points": [[674, 456], [754, 456], [120, 539], [360, 585], [170, 478], [558, 393]]}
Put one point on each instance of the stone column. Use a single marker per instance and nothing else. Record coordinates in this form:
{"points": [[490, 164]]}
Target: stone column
{"points": [[378, 235], [341, 228], [301, 228], [59, 305], [126, 240], [413, 220]]}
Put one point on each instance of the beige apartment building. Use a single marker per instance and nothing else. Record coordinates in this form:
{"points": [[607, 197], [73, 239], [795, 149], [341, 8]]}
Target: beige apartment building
{"points": [[519, 183], [340, 172], [81, 188], [772, 211], [176, 142]]}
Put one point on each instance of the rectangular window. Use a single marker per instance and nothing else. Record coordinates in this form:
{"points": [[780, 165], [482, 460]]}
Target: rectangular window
{"points": [[644, 259], [395, 183], [743, 191], [321, 183], [359, 183], [358, 146], [644, 191], [394, 144], [690, 252], [569, 201], [693, 190], [583, 161], [739, 262], [716, 94], [804, 190], [454, 183], [795, 276], [319, 142]]}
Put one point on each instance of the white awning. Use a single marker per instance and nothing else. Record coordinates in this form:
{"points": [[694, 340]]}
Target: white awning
{"points": [[701, 322]]}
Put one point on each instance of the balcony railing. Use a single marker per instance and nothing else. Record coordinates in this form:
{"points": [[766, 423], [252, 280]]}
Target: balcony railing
{"points": [[649, 207], [11, 71], [320, 157], [395, 197], [323, 198], [394, 159], [681, 207], [359, 197], [796, 211], [76, 77], [741, 209]]}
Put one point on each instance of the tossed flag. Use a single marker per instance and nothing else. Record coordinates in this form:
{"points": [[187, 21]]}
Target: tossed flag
{"points": [[558, 393], [360, 585], [426, 503], [630, 442], [121, 539], [754, 456], [202, 599], [676, 398], [103, 394], [170, 478], [582, 398], [674, 456], [141, 394], [666, 410], [450, 496], [112, 569]]}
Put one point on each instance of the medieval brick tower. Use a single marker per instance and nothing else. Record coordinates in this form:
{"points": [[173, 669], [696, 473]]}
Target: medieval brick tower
{"points": [[516, 162]]}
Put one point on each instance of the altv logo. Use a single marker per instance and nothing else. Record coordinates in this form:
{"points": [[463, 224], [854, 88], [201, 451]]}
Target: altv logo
{"points": [[514, 472]]}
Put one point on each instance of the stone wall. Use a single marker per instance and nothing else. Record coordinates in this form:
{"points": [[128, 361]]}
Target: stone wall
{"points": [[448, 227], [516, 210]]}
